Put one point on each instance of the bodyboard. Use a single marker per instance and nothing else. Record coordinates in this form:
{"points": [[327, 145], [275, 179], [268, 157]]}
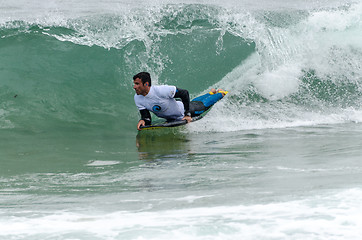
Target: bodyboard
{"points": [[169, 124]]}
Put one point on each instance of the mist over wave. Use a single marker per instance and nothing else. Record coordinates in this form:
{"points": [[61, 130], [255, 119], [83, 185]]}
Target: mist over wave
{"points": [[284, 66]]}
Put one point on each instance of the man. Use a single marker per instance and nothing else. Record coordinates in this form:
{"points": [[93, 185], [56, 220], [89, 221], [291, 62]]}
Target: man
{"points": [[160, 100]]}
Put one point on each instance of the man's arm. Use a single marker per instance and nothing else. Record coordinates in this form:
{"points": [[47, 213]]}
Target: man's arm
{"points": [[185, 98], [145, 118]]}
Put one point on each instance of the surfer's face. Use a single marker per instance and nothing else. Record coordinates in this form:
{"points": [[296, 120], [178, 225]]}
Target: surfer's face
{"points": [[139, 87]]}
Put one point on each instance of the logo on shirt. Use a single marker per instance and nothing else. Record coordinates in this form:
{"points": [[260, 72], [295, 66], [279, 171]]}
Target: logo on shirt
{"points": [[156, 108]]}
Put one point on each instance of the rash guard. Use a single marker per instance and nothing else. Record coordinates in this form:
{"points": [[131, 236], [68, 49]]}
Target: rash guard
{"points": [[161, 101]]}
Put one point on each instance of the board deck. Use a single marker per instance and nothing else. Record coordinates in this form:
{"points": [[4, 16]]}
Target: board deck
{"points": [[169, 124]]}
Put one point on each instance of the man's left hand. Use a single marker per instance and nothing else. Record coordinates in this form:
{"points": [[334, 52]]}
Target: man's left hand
{"points": [[188, 118]]}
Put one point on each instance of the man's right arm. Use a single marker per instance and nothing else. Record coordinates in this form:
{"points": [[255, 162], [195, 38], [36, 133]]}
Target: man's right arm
{"points": [[145, 118]]}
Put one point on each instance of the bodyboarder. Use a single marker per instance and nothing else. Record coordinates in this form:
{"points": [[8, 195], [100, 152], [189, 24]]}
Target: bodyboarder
{"points": [[161, 100]]}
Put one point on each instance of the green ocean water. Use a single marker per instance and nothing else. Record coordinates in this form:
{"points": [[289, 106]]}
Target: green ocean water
{"points": [[278, 158]]}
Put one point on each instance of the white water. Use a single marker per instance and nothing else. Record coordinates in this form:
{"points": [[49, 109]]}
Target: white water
{"points": [[327, 42], [328, 215]]}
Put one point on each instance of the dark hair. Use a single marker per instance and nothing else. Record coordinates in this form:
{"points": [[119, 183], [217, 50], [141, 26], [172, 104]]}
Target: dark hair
{"points": [[144, 76]]}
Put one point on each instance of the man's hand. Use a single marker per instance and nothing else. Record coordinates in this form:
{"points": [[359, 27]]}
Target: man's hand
{"points": [[140, 123], [188, 118]]}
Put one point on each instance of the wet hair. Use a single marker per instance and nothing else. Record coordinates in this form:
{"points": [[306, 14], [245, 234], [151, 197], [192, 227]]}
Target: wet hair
{"points": [[144, 76]]}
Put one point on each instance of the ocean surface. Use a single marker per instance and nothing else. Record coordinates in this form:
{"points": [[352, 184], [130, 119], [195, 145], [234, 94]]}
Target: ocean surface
{"points": [[280, 157]]}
